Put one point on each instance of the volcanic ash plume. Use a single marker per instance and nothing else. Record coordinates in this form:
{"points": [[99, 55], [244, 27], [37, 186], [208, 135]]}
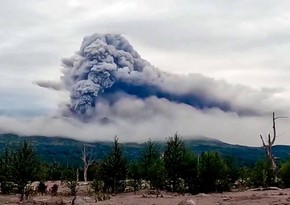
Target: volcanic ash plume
{"points": [[102, 61], [107, 69]]}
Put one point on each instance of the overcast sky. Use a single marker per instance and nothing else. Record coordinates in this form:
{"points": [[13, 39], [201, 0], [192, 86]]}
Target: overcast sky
{"points": [[239, 42]]}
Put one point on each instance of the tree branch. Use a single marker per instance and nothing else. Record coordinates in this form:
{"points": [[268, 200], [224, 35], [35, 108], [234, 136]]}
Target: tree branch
{"points": [[270, 143], [274, 127], [264, 145], [87, 158], [280, 117], [90, 161]]}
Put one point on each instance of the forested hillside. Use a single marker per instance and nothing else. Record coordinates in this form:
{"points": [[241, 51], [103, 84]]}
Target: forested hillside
{"points": [[68, 151]]}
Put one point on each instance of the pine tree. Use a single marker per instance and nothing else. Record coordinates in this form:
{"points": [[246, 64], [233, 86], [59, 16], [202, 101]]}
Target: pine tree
{"points": [[5, 172], [24, 166], [135, 174], [173, 158], [156, 174], [190, 171], [149, 156], [212, 172], [114, 169]]}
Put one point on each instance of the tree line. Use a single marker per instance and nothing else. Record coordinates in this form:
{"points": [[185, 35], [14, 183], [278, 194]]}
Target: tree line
{"points": [[173, 168]]}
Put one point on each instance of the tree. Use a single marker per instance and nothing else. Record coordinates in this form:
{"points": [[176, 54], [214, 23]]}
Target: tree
{"points": [[97, 184], [149, 156], [24, 165], [263, 174], [135, 173], [269, 144], [232, 169], [69, 176], [114, 169], [190, 171], [87, 160], [284, 173], [212, 172], [5, 172], [244, 179], [156, 174], [49, 171], [173, 158], [43, 172]]}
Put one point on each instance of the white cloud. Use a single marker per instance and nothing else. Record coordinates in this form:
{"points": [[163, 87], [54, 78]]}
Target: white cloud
{"points": [[244, 42], [153, 118]]}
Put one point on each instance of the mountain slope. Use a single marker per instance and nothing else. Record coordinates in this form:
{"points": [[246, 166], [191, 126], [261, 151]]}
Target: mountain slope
{"points": [[68, 151]]}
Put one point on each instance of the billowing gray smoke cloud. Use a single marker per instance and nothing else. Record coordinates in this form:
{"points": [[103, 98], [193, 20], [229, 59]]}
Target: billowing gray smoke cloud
{"points": [[107, 69], [107, 89], [97, 67]]}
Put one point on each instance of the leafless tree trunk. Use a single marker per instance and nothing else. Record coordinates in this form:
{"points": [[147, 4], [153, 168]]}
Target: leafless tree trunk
{"points": [[87, 160], [73, 200], [270, 142], [78, 175]]}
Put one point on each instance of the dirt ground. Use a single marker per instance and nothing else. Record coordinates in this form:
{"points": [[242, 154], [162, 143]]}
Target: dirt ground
{"points": [[269, 197], [230, 198]]}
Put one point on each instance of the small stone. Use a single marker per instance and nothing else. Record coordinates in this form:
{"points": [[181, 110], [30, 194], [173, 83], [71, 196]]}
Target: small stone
{"points": [[226, 198], [187, 202]]}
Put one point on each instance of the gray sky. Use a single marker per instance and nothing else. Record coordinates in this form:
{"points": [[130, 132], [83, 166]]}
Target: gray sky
{"points": [[236, 42]]}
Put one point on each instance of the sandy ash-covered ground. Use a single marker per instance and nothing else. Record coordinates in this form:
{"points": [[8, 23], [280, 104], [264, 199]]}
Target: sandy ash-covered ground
{"points": [[267, 197], [239, 198]]}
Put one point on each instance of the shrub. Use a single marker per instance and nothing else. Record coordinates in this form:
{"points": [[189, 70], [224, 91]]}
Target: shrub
{"points": [[41, 188], [72, 185], [54, 190], [284, 173], [97, 185]]}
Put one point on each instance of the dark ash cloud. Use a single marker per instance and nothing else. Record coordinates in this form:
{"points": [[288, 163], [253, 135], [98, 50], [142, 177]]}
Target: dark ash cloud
{"points": [[113, 91], [107, 68]]}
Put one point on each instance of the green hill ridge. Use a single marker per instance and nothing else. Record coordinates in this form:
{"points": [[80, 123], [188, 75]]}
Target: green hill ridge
{"points": [[67, 151]]}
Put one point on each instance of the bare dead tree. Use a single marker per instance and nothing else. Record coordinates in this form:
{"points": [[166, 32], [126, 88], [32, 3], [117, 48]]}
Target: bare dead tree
{"points": [[269, 141], [73, 200], [88, 160]]}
